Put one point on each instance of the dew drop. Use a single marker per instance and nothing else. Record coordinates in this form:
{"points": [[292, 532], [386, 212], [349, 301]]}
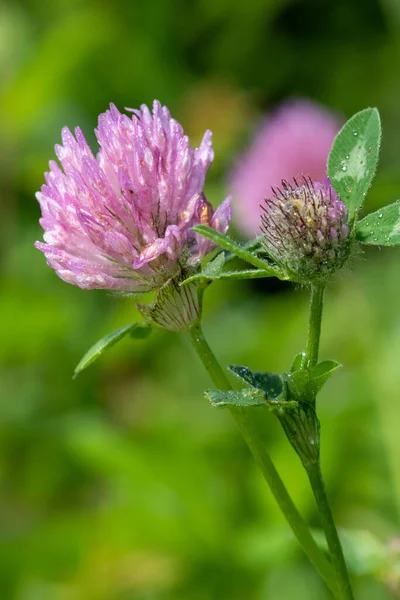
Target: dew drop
{"points": [[344, 168], [355, 133], [380, 216]]}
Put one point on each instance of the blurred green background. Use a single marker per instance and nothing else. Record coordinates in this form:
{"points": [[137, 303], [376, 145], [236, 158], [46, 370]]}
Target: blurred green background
{"points": [[124, 484]]}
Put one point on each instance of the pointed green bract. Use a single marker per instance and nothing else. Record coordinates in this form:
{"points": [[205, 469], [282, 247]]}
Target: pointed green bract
{"points": [[228, 244], [298, 362], [246, 397], [354, 156], [381, 228], [296, 383], [321, 373], [102, 345]]}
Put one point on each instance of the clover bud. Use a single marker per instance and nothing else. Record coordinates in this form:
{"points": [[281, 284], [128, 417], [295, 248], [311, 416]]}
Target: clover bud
{"points": [[305, 229]]}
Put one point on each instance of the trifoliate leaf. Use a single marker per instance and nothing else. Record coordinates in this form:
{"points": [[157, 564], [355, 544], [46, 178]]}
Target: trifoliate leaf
{"points": [[104, 344], [354, 156], [381, 228], [246, 397], [269, 383]]}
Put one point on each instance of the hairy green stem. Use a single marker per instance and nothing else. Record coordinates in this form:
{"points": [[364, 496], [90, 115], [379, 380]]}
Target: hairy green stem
{"points": [[246, 419], [314, 326], [332, 537], [314, 468]]}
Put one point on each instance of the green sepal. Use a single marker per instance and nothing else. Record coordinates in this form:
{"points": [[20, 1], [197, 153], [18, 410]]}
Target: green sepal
{"points": [[381, 228], [227, 243], [105, 343], [353, 158], [246, 397], [321, 373]]}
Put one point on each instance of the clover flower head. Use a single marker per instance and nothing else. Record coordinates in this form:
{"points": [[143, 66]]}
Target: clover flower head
{"points": [[305, 229], [293, 141], [122, 220]]}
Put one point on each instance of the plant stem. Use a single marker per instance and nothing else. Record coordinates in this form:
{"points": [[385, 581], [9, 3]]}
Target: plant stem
{"points": [[314, 468], [246, 419], [314, 325], [332, 537]]}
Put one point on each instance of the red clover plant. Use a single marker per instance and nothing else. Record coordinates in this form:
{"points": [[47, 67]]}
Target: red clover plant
{"points": [[135, 219]]}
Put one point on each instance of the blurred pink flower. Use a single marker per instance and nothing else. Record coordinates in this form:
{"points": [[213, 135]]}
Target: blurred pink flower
{"points": [[294, 141]]}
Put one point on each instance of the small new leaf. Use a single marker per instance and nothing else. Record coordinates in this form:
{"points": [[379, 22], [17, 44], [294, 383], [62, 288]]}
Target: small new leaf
{"points": [[297, 382], [215, 266], [354, 156], [246, 397], [298, 362], [104, 344], [321, 373], [381, 228]]}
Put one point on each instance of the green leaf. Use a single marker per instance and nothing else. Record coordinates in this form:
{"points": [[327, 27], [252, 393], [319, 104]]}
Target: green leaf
{"points": [[225, 242], [354, 156], [321, 373], [243, 274], [298, 362], [269, 383], [246, 397], [381, 228], [253, 246], [104, 344]]}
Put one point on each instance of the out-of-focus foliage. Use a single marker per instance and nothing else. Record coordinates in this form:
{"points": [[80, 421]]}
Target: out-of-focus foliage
{"points": [[125, 484]]}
